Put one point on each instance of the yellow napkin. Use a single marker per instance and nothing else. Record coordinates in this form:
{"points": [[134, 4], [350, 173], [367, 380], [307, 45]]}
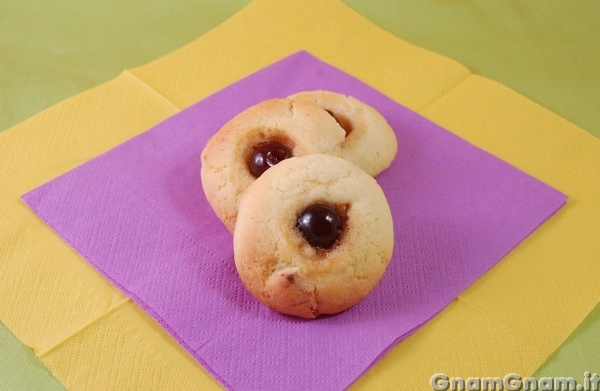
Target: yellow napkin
{"points": [[92, 337]]}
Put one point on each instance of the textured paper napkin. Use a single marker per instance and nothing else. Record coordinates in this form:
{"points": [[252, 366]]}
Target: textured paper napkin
{"points": [[91, 337], [138, 214]]}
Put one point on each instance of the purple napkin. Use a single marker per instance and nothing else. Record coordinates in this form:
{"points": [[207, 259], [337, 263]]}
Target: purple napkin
{"points": [[138, 214]]}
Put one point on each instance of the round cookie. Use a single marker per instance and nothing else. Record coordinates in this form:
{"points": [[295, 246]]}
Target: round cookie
{"points": [[272, 240], [257, 138], [370, 142]]}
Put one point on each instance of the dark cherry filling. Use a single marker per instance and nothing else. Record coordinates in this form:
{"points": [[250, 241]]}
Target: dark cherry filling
{"points": [[321, 225], [266, 155]]}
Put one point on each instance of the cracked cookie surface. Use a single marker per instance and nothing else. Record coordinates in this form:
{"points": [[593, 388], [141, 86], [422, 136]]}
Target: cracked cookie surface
{"points": [[370, 143], [276, 262]]}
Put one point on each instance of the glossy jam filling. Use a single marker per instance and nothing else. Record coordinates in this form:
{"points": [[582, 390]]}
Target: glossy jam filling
{"points": [[265, 155], [321, 225]]}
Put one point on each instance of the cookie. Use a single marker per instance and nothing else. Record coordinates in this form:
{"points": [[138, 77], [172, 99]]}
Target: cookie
{"points": [[314, 235], [370, 142], [258, 138]]}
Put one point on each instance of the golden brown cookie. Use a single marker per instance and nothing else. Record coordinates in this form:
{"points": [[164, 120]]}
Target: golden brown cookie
{"points": [[370, 142], [314, 235], [258, 138]]}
